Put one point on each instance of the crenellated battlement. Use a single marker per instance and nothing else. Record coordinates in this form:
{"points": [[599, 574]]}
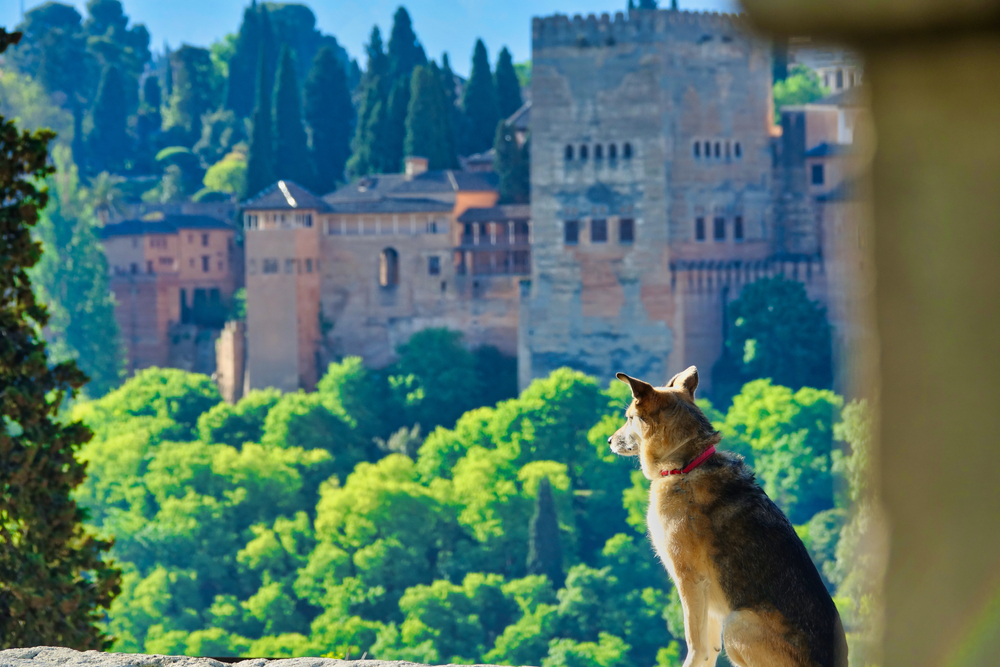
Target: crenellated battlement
{"points": [[607, 30]]}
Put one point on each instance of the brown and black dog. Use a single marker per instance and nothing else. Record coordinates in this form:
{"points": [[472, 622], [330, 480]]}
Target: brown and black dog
{"points": [[744, 577]]}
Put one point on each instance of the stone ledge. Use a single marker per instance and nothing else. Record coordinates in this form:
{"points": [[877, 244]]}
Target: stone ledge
{"points": [[46, 656]]}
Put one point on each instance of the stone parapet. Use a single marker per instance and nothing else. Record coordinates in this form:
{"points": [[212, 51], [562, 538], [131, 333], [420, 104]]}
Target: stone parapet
{"points": [[605, 29]]}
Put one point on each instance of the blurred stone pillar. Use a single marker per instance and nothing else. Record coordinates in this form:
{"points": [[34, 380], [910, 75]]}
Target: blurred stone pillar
{"points": [[933, 69]]}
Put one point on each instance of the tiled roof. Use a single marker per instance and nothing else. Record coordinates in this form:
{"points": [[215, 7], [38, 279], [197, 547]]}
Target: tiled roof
{"points": [[521, 118], [168, 225], [829, 150], [502, 212], [284, 196], [439, 181], [390, 205]]}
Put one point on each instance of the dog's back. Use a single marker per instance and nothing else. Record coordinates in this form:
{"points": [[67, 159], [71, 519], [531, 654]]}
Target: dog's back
{"points": [[761, 563]]}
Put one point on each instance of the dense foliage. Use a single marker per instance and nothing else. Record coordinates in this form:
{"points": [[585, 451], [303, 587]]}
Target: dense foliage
{"points": [[774, 330], [53, 580], [801, 86], [324, 523]]}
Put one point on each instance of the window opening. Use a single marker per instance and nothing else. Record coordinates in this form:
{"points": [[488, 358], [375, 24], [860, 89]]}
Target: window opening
{"points": [[388, 268], [598, 231], [718, 152], [206, 263], [737, 150], [719, 230], [434, 265], [204, 239], [309, 265], [627, 151], [612, 151], [583, 152], [569, 152], [817, 174], [626, 230], [269, 265], [699, 229], [289, 266], [598, 152], [571, 232], [697, 149], [738, 228]]}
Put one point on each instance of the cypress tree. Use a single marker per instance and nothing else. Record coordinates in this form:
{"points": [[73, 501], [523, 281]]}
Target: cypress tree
{"points": [[193, 90], [405, 52], [243, 65], [510, 166], [508, 87], [268, 49], [399, 102], [427, 132], [647, 4], [455, 116], [291, 150], [53, 580], [480, 103], [328, 113], [368, 147], [544, 551], [260, 154], [108, 140]]}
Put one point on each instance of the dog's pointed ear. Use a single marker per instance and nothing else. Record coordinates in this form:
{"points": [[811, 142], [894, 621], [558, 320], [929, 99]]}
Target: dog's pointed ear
{"points": [[688, 379], [640, 389]]}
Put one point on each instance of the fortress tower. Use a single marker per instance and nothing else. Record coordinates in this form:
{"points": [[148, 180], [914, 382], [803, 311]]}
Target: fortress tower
{"points": [[652, 200]]}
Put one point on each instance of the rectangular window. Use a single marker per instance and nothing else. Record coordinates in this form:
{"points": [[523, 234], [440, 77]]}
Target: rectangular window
{"points": [[626, 230], [719, 229], [697, 149], [571, 232], [434, 265], [205, 263], [269, 265], [149, 266], [289, 266], [166, 261], [738, 228], [204, 239], [598, 231], [307, 220], [309, 265], [840, 79], [699, 229], [817, 174]]}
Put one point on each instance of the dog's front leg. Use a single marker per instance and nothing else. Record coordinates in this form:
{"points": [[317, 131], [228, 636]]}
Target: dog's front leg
{"points": [[694, 598]]}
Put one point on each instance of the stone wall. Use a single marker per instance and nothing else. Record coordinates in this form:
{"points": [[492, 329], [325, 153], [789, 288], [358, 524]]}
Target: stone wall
{"points": [[52, 656], [678, 106]]}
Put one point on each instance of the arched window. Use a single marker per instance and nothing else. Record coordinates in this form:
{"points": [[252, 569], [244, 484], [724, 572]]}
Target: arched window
{"points": [[627, 151], [737, 150], [583, 151], [612, 151], [697, 149], [569, 152], [718, 149], [598, 152], [708, 149], [388, 268]]}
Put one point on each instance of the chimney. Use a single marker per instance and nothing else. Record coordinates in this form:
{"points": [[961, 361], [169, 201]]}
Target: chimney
{"points": [[415, 165]]}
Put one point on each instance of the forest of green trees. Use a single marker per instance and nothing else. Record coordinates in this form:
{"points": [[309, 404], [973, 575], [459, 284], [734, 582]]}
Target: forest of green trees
{"points": [[206, 123], [426, 513]]}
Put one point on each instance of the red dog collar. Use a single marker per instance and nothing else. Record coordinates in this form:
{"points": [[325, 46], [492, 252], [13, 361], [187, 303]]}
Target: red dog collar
{"points": [[691, 466]]}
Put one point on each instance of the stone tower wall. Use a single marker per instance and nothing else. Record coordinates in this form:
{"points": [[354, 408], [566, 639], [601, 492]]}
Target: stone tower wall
{"points": [[653, 84]]}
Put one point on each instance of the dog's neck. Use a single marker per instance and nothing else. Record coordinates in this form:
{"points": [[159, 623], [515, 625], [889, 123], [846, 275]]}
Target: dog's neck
{"points": [[678, 457]]}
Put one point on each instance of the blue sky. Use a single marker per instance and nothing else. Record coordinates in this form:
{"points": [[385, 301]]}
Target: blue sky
{"points": [[441, 25]]}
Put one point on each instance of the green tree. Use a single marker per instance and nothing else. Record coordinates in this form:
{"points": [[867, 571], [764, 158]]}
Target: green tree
{"points": [[261, 161], [241, 84], [328, 114], [775, 331], [511, 167], [194, 91], [788, 438], [544, 550], [71, 278], [234, 425], [609, 651], [53, 581], [508, 85], [801, 86], [428, 133], [479, 103], [291, 149], [114, 44], [228, 175], [405, 52], [295, 25], [148, 123], [456, 119], [370, 147], [395, 124], [221, 132], [23, 100], [108, 141], [648, 4]]}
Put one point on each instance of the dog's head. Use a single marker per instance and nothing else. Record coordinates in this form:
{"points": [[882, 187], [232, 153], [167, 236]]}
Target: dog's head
{"points": [[661, 420]]}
